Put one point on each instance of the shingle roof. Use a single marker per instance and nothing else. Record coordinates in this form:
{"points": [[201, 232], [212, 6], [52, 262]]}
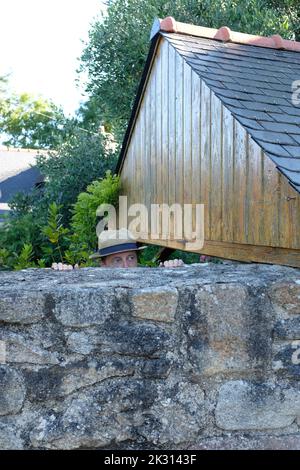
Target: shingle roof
{"points": [[255, 84], [251, 75], [17, 173], [14, 161]]}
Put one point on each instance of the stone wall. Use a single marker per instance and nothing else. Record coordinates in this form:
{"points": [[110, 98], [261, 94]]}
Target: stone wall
{"points": [[200, 357]]}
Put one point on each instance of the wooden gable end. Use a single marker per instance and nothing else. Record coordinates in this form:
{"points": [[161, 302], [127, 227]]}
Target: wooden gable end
{"points": [[187, 147]]}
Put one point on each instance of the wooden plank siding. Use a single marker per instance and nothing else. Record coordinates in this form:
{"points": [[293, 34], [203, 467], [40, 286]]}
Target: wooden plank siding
{"points": [[205, 157], [164, 173], [196, 140], [228, 196], [216, 161], [186, 147], [172, 170], [240, 181]]}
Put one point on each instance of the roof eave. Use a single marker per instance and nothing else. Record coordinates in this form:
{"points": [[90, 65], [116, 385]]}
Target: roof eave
{"points": [[155, 38]]}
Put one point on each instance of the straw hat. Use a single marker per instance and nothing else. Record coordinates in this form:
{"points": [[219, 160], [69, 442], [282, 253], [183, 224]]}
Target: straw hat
{"points": [[115, 241]]}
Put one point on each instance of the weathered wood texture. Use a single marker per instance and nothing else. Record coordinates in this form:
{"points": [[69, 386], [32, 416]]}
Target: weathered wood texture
{"points": [[186, 147]]}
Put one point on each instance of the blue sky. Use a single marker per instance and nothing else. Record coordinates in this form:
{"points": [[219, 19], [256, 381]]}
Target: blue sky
{"points": [[40, 41]]}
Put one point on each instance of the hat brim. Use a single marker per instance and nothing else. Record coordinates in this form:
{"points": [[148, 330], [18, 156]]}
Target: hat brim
{"points": [[97, 255]]}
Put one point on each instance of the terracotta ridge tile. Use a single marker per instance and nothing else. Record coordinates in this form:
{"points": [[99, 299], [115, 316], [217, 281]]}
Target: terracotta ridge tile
{"points": [[224, 34]]}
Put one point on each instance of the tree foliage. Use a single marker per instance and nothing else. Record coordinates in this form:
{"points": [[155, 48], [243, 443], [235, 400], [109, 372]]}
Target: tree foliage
{"points": [[3, 85], [84, 218], [29, 122], [82, 159], [30, 240], [290, 8]]}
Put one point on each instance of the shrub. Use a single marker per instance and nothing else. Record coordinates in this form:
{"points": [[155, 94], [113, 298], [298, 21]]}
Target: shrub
{"points": [[56, 236], [24, 260], [84, 217], [78, 162], [27, 241]]}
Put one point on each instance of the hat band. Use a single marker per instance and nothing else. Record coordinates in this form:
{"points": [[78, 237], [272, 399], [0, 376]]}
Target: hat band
{"points": [[122, 246]]}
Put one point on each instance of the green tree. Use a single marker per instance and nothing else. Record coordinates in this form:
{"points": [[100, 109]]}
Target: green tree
{"points": [[67, 172], [291, 9], [115, 54], [29, 122], [84, 218], [82, 159], [3, 85], [29, 240]]}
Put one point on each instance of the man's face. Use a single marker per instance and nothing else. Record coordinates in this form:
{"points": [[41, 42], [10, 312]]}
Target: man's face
{"points": [[127, 259]]}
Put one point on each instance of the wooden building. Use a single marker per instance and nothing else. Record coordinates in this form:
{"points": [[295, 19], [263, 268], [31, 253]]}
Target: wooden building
{"points": [[215, 122]]}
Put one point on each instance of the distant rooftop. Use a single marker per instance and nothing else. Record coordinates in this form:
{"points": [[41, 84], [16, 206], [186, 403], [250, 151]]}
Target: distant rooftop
{"points": [[17, 173], [15, 160]]}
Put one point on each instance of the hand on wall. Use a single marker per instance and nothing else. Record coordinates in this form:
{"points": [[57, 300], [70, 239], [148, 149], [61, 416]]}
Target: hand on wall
{"points": [[63, 267], [172, 263]]}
